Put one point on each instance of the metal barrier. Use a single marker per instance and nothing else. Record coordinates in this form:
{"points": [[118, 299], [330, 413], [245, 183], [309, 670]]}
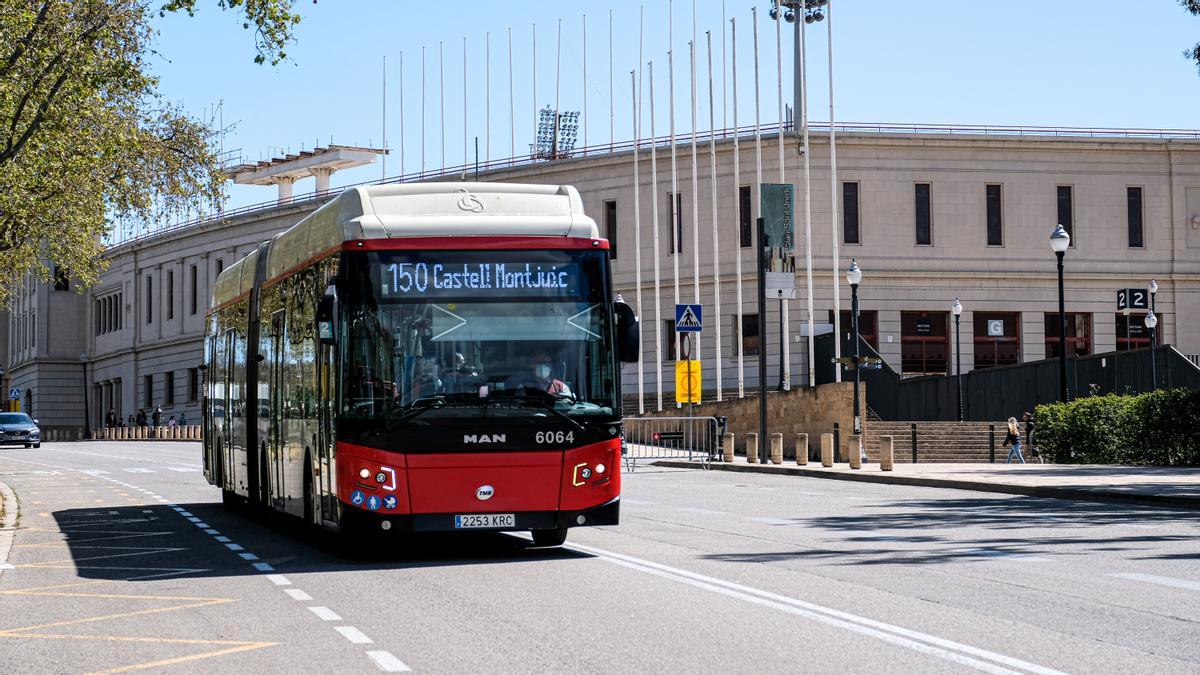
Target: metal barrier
{"points": [[685, 438]]}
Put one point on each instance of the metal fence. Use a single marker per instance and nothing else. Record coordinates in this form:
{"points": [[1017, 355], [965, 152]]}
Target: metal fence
{"points": [[693, 439]]}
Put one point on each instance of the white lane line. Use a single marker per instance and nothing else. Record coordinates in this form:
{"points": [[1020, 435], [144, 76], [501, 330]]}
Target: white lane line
{"points": [[774, 521], [388, 663], [279, 580], [234, 547], [194, 519], [932, 645], [354, 635], [248, 556], [177, 509], [223, 539], [297, 594], [139, 470], [147, 511], [325, 614], [705, 512], [1161, 581], [263, 567], [212, 532], [186, 514], [202, 525]]}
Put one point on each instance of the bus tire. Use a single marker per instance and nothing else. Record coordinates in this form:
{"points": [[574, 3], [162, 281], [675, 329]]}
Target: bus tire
{"points": [[554, 537]]}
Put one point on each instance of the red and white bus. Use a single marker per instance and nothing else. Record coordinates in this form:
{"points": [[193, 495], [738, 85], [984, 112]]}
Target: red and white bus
{"points": [[430, 357]]}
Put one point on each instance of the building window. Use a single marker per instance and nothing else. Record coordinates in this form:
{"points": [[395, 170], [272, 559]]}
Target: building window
{"points": [[747, 333], [193, 385], [170, 294], [148, 390], [669, 338], [1133, 196], [923, 216], [192, 284], [1133, 334], [610, 227], [62, 278], [1065, 211], [995, 224], [850, 234], [997, 339], [675, 201], [149, 299], [924, 342], [220, 266], [868, 326], [1079, 334], [745, 217], [169, 388]]}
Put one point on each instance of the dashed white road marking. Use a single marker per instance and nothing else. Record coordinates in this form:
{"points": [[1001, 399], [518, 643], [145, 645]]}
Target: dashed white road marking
{"points": [[774, 521], [223, 539], [279, 580], [248, 556], [1161, 581], [234, 547], [387, 662], [999, 553], [324, 613], [706, 512], [297, 594], [263, 567], [354, 635]]}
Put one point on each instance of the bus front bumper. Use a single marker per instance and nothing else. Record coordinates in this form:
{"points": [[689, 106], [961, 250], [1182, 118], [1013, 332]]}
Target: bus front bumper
{"points": [[604, 514]]}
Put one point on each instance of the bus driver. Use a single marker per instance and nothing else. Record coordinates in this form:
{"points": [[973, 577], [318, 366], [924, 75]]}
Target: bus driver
{"points": [[543, 368]]}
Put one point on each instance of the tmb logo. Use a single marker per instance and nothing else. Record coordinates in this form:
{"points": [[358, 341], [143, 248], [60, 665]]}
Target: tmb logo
{"points": [[484, 492], [485, 438]]}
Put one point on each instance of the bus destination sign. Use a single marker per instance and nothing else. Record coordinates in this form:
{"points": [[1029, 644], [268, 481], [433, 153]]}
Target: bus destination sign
{"points": [[431, 279]]}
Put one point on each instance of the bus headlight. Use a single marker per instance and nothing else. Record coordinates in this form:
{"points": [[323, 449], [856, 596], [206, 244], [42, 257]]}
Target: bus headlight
{"points": [[600, 468], [381, 477], [364, 473]]}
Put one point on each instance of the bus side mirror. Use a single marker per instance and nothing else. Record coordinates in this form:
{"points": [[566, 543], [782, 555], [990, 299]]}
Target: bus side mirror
{"points": [[327, 316], [629, 333]]}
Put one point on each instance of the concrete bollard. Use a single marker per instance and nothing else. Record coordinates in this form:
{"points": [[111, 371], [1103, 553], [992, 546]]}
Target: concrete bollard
{"points": [[752, 447], [886, 456], [777, 448], [854, 451], [826, 450], [801, 449], [728, 450]]}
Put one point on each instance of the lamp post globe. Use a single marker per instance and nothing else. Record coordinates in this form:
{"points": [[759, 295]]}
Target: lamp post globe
{"points": [[1152, 324], [956, 310], [1060, 241]]}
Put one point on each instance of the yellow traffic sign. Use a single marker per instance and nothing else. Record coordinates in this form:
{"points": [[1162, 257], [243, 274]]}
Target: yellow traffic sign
{"points": [[687, 381]]}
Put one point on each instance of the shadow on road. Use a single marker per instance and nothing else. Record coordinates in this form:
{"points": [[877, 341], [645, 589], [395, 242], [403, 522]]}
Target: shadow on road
{"points": [[155, 542], [921, 532]]}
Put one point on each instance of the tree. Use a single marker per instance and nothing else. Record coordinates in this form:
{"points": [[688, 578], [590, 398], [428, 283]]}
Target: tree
{"points": [[1192, 6], [85, 138]]}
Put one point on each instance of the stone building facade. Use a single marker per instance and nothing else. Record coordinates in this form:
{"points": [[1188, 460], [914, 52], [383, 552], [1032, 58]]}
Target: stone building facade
{"points": [[928, 217]]}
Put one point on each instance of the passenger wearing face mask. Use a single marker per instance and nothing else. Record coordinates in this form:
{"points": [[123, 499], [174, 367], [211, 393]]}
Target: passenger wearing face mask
{"points": [[544, 378]]}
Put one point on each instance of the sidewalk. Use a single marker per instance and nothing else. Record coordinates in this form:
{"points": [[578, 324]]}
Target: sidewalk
{"points": [[1176, 487]]}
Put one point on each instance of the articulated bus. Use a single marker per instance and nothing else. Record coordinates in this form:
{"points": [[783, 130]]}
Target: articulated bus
{"points": [[414, 358]]}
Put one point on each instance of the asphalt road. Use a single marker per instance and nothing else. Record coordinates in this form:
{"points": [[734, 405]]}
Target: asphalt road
{"points": [[124, 560]]}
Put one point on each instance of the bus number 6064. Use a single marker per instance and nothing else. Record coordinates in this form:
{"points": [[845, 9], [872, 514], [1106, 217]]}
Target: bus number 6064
{"points": [[554, 437]]}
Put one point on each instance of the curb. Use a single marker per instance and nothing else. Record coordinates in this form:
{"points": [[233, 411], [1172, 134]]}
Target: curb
{"points": [[8, 527], [1051, 492]]}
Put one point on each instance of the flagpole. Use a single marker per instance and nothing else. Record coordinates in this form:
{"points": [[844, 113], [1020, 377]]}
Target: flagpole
{"points": [[422, 111], [383, 157], [466, 151], [737, 200], [712, 191], [637, 230], [759, 302], [695, 202], [401, 114], [833, 182], [784, 304], [512, 106], [658, 337], [442, 95], [533, 148], [487, 108], [585, 88], [611, 115], [812, 357]]}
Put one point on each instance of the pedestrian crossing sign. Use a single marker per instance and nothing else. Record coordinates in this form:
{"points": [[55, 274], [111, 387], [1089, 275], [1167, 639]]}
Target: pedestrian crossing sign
{"points": [[689, 318]]}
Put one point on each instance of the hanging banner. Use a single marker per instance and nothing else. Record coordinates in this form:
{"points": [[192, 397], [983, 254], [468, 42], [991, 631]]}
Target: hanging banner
{"points": [[776, 206]]}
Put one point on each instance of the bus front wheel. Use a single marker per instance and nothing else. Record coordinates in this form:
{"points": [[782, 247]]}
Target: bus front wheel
{"points": [[554, 537]]}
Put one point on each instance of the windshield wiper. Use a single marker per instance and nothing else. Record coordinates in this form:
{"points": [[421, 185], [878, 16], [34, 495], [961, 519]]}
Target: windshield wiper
{"points": [[424, 405], [547, 404]]}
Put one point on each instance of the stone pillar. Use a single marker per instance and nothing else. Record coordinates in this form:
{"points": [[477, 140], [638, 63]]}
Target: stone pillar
{"points": [[728, 450], [322, 175], [801, 449], [777, 448], [285, 187], [855, 455], [826, 450], [752, 447], [886, 453]]}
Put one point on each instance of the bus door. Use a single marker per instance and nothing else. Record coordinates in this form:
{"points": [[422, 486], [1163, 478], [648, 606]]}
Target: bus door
{"points": [[275, 367], [222, 409], [325, 480]]}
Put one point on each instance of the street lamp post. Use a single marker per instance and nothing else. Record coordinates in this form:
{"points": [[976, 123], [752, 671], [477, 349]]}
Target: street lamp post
{"points": [[1152, 323], [1059, 242], [853, 277], [87, 416], [957, 310]]}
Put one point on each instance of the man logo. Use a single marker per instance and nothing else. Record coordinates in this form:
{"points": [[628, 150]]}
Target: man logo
{"points": [[485, 438], [484, 492]]}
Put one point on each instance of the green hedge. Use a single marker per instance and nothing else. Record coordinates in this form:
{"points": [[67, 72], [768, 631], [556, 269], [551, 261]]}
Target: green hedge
{"points": [[1160, 428]]}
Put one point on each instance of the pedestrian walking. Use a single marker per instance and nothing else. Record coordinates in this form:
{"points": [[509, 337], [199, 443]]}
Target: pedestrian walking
{"points": [[1013, 440], [131, 422], [1031, 438], [110, 420]]}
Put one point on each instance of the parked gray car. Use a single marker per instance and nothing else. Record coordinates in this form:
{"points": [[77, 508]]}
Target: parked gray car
{"points": [[18, 429]]}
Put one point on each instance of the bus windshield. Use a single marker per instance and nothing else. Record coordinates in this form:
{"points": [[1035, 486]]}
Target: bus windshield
{"points": [[445, 335]]}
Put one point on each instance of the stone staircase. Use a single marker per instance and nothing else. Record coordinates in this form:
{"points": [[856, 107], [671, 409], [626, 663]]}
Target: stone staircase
{"points": [[937, 441]]}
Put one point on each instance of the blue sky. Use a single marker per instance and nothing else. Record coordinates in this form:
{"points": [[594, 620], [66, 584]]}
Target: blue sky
{"points": [[1093, 63]]}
